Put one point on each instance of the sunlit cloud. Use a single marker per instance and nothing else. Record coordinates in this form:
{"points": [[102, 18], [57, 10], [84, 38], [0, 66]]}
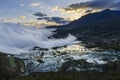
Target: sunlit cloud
{"points": [[13, 20], [38, 24], [28, 22], [22, 17], [57, 8], [70, 14], [34, 4], [77, 10], [67, 9]]}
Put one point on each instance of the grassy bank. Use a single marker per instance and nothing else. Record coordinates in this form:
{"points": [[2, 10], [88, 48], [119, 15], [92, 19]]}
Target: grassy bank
{"points": [[82, 75]]}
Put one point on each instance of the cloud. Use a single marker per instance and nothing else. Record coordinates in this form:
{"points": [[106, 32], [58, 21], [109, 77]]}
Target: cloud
{"points": [[39, 24], [22, 17], [89, 10], [57, 8], [17, 39], [23, 20], [21, 5], [39, 14], [57, 20], [116, 6], [95, 4], [69, 14], [77, 10], [34, 4]]}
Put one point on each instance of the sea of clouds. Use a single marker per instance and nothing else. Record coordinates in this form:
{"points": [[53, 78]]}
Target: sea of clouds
{"points": [[16, 39]]}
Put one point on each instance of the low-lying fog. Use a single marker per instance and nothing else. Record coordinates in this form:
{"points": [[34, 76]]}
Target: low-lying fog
{"points": [[15, 38]]}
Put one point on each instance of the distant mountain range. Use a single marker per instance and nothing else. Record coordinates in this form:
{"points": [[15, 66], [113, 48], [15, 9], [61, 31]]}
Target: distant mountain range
{"points": [[100, 29]]}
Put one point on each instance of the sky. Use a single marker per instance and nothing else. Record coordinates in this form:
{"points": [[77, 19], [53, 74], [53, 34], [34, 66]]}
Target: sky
{"points": [[50, 12], [12, 8]]}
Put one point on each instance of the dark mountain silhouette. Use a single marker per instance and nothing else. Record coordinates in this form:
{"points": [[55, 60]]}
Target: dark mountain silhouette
{"points": [[100, 29]]}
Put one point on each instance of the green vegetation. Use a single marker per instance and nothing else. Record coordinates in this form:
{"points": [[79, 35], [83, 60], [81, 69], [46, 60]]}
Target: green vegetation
{"points": [[10, 67], [12, 62], [83, 75]]}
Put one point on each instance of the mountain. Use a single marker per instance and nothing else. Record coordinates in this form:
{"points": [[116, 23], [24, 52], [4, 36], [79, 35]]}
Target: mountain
{"points": [[100, 29]]}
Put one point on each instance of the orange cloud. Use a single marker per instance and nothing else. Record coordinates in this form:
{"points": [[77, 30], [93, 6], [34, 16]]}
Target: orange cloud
{"points": [[34, 4]]}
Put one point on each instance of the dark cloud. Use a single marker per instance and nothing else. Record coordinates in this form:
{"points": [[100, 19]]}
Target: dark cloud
{"points": [[95, 4], [43, 16], [116, 6], [39, 14], [54, 19]]}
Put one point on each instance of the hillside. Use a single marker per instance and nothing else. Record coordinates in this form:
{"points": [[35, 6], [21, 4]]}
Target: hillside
{"points": [[100, 29]]}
